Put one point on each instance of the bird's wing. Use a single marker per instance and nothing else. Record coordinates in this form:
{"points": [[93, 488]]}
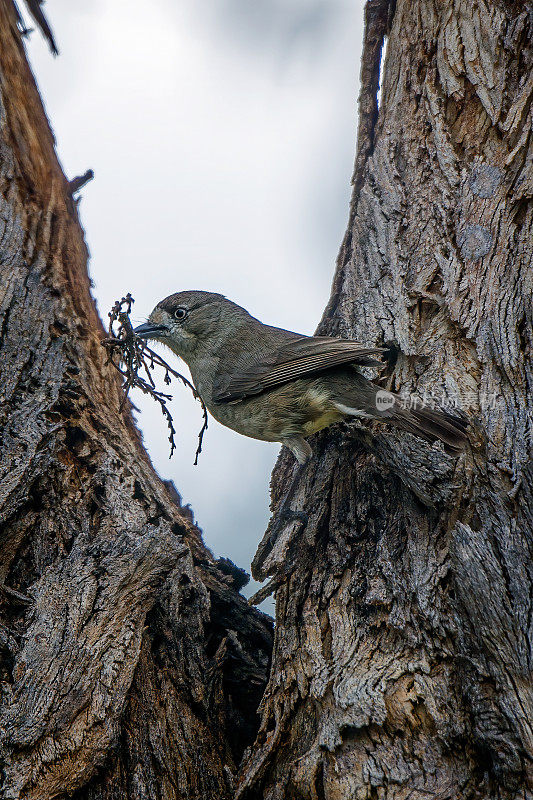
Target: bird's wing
{"points": [[301, 357]]}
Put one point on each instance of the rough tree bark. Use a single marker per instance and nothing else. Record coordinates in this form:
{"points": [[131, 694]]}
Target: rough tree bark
{"points": [[403, 652], [130, 666]]}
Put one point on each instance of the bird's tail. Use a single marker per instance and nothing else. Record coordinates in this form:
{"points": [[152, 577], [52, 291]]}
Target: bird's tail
{"points": [[362, 398], [433, 425]]}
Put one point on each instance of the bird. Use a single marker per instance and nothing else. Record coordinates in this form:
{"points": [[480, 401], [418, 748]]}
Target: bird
{"points": [[279, 386]]}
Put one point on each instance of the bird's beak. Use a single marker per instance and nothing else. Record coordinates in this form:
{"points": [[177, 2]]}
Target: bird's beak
{"points": [[148, 330]]}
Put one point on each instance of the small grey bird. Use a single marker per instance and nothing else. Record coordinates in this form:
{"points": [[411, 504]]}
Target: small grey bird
{"points": [[279, 386]]}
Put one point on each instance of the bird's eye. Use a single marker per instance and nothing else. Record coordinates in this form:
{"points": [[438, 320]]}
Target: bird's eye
{"points": [[180, 313]]}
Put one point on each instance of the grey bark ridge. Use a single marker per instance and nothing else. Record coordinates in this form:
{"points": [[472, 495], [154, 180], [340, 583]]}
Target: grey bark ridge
{"points": [[119, 677], [402, 659]]}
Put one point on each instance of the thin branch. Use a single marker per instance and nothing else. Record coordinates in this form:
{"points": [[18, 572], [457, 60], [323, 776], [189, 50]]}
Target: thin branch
{"points": [[77, 183], [130, 355], [376, 21], [265, 591], [378, 18], [34, 7]]}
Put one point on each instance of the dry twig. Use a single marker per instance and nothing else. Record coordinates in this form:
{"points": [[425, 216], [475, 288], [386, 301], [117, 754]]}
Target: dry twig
{"points": [[79, 182], [130, 355]]}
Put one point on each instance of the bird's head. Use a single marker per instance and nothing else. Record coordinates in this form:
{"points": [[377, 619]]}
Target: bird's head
{"points": [[191, 321]]}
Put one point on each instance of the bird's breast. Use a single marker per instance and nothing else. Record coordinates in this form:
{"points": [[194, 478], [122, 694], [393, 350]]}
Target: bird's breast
{"points": [[298, 408]]}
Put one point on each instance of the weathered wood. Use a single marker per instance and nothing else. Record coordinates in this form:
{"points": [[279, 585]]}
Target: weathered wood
{"points": [[402, 663], [119, 680]]}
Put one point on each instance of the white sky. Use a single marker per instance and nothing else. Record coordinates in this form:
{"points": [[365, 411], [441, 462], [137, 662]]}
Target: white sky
{"points": [[222, 136]]}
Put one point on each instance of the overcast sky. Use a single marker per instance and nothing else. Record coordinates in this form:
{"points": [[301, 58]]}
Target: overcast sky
{"points": [[221, 133]]}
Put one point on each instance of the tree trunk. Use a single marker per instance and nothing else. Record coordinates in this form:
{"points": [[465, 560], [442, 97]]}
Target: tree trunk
{"points": [[130, 665], [403, 654]]}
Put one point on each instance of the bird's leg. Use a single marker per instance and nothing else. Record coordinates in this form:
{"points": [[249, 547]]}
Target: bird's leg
{"points": [[301, 449]]}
